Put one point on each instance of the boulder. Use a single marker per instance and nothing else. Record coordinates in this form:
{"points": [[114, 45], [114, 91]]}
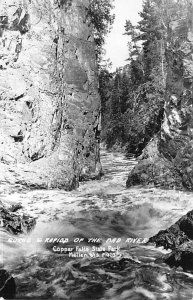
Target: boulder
{"points": [[7, 285], [175, 235], [15, 223], [181, 257], [178, 238]]}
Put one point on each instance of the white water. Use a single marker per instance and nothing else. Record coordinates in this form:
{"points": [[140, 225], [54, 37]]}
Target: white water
{"points": [[102, 208]]}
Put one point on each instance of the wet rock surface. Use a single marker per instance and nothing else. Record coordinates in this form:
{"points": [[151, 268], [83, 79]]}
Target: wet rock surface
{"points": [[181, 257], [179, 238], [154, 169], [14, 222], [7, 285], [177, 234]]}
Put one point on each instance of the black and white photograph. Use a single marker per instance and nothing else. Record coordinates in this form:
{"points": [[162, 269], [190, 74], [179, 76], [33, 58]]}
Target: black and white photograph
{"points": [[96, 149]]}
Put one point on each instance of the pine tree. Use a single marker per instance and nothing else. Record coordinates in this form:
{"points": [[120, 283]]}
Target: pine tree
{"points": [[134, 108], [147, 72], [116, 96], [100, 12], [151, 34], [105, 83], [125, 82]]}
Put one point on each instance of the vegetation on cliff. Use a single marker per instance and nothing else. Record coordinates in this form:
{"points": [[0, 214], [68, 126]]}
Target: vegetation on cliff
{"points": [[100, 12], [149, 101], [133, 96], [167, 161]]}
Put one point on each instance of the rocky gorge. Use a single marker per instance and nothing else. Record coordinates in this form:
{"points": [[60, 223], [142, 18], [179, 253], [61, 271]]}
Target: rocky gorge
{"points": [[49, 107], [67, 232], [100, 211], [167, 159]]}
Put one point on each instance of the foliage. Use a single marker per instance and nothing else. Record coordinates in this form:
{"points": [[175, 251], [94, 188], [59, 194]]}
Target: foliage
{"points": [[102, 19], [114, 94], [133, 97], [133, 111]]}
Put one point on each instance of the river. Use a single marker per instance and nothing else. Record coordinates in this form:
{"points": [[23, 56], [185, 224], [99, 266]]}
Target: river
{"points": [[99, 230]]}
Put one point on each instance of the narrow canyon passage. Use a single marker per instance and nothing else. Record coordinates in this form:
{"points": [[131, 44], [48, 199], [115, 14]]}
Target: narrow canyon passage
{"points": [[102, 209], [138, 207], [96, 239]]}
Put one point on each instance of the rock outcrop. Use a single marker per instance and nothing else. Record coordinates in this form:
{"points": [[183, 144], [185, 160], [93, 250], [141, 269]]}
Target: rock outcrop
{"points": [[7, 285], [49, 103], [181, 257], [168, 159], [178, 238], [15, 223], [177, 234]]}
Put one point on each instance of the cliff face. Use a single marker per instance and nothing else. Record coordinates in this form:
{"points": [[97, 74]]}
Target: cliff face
{"points": [[168, 159], [49, 104]]}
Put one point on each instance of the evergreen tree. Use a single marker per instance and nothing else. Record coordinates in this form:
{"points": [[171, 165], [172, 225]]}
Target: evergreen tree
{"points": [[125, 82], [105, 83], [134, 108], [116, 96], [102, 19]]}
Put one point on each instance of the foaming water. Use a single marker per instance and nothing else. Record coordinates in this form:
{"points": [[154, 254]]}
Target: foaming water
{"points": [[100, 209], [137, 221]]}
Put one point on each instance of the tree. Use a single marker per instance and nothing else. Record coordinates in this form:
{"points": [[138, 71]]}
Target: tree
{"points": [[134, 48], [102, 19], [105, 82], [133, 110], [144, 114], [125, 90]]}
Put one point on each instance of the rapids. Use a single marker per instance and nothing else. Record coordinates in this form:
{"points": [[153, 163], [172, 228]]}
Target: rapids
{"points": [[102, 268]]}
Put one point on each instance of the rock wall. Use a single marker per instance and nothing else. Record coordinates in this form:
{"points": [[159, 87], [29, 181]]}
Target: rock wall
{"points": [[168, 159], [49, 102], [178, 238]]}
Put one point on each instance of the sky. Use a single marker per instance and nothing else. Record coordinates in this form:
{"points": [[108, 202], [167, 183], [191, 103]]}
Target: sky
{"points": [[116, 42]]}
